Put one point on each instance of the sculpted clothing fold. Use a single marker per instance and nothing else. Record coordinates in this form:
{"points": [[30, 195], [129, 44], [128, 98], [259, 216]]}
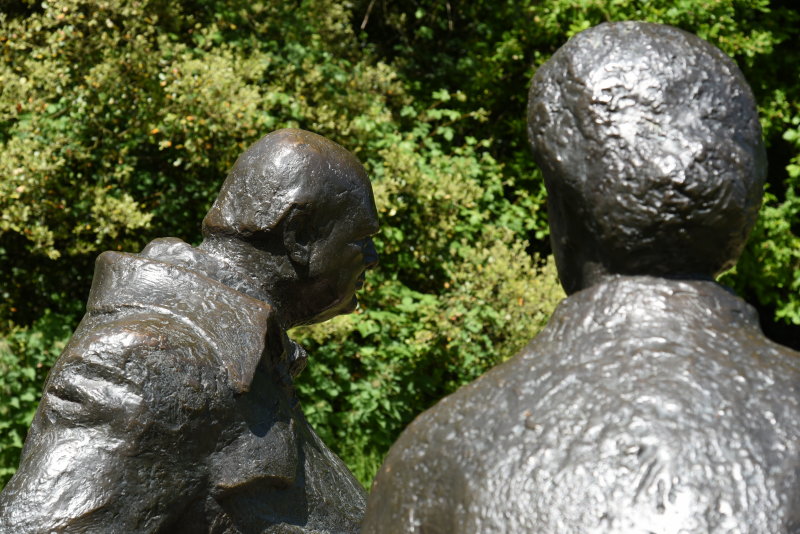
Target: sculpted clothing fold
{"points": [[645, 405], [172, 410]]}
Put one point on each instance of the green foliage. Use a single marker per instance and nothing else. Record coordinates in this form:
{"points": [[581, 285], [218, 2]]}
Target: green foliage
{"points": [[119, 120], [456, 293], [490, 50]]}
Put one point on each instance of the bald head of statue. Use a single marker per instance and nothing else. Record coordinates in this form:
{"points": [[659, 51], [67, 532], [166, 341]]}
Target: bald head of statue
{"points": [[651, 154], [296, 215]]}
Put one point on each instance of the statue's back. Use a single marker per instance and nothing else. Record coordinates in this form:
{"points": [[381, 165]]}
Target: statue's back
{"points": [[651, 402]]}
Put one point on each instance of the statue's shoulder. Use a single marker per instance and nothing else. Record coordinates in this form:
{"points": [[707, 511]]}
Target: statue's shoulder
{"points": [[611, 390]]}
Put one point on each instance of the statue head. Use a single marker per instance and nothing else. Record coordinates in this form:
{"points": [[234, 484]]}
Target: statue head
{"points": [[296, 213], [650, 146]]}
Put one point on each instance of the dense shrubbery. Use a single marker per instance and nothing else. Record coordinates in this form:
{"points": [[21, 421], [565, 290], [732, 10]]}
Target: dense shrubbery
{"points": [[489, 50], [119, 120]]}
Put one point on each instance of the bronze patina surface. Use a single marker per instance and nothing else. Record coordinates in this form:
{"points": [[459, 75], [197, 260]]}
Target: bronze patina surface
{"points": [[651, 402], [172, 409]]}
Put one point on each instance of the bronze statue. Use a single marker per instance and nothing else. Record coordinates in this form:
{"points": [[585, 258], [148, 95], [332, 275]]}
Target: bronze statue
{"points": [[651, 402], [172, 409]]}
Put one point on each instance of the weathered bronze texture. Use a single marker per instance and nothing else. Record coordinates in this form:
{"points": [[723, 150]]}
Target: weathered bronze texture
{"points": [[651, 402], [172, 409]]}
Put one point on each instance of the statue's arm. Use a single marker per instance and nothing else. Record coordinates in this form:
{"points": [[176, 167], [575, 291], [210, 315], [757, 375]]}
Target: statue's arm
{"points": [[94, 457], [66, 474], [412, 490]]}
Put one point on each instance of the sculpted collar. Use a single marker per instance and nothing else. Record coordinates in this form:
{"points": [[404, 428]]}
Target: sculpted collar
{"points": [[242, 330]]}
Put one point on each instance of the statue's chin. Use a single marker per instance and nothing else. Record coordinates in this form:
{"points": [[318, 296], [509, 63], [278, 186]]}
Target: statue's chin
{"points": [[346, 306], [340, 307]]}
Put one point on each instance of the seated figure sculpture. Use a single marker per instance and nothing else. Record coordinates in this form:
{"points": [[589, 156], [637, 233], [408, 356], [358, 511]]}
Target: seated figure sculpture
{"points": [[172, 408], [651, 402]]}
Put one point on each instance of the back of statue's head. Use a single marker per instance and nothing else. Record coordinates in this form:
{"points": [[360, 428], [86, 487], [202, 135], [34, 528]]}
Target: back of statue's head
{"points": [[286, 170], [650, 145]]}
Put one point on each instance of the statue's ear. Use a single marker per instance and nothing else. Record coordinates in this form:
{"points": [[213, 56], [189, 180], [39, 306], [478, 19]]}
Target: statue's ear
{"points": [[297, 235]]}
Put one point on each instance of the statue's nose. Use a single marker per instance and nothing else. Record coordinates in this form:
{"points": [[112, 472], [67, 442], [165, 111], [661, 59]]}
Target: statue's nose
{"points": [[370, 254]]}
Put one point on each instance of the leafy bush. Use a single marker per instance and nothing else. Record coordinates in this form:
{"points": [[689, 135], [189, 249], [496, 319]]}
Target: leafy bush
{"points": [[489, 50], [455, 294], [119, 121]]}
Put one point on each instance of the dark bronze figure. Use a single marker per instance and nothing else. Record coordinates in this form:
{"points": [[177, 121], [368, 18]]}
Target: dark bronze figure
{"points": [[172, 408], [651, 402]]}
